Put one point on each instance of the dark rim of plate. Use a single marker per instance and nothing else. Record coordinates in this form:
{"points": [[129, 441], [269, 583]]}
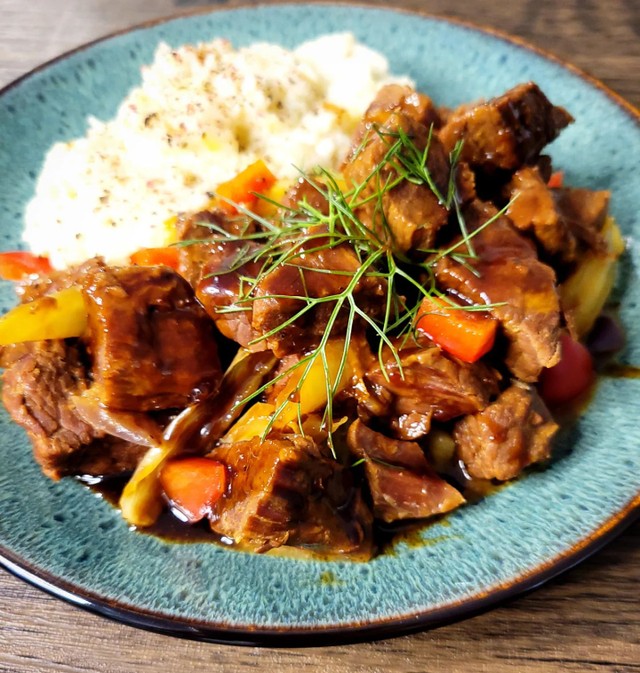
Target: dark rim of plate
{"points": [[286, 636]]}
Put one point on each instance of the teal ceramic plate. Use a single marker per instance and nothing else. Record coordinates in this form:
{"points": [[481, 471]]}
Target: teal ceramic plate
{"points": [[61, 537]]}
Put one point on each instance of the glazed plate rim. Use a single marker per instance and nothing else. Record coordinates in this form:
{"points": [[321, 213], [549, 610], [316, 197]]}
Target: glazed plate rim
{"points": [[385, 626], [321, 635]]}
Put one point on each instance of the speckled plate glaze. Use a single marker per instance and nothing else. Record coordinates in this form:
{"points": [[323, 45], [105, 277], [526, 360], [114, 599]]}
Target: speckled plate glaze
{"points": [[67, 541]]}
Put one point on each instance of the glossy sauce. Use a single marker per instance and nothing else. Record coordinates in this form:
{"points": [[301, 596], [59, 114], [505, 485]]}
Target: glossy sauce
{"points": [[387, 537]]}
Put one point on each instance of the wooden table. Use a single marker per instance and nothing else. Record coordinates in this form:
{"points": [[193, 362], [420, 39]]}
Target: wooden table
{"points": [[587, 620]]}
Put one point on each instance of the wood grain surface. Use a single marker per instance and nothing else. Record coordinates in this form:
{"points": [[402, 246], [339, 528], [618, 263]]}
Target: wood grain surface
{"points": [[586, 620]]}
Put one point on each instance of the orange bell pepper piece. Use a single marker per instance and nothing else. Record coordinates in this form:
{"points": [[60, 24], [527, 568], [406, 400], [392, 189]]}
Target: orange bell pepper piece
{"points": [[243, 189], [556, 180], [15, 265], [156, 257], [468, 335], [193, 485]]}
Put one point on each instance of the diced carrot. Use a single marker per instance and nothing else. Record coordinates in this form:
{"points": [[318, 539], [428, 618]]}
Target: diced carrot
{"points": [[17, 264], [193, 485], [156, 257], [556, 180], [243, 188], [571, 377], [468, 335]]}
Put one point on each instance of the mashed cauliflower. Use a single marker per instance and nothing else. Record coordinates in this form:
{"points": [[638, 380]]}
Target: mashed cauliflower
{"points": [[201, 115]]}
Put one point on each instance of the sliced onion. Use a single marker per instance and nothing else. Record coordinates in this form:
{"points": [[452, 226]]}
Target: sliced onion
{"points": [[193, 431], [134, 427]]}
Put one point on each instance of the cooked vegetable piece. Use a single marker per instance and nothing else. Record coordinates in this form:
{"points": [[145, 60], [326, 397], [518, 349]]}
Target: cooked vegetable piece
{"points": [[131, 426], [56, 316], [193, 485], [585, 292], [302, 396], [468, 335], [556, 180], [571, 377], [253, 423], [194, 429], [295, 400], [242, 190], [168, 256], [15, 265]]}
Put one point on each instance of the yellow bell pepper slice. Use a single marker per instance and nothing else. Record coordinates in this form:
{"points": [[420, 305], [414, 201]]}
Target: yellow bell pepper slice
{"points": [[56, 316], [312, 396], [586, 291]]}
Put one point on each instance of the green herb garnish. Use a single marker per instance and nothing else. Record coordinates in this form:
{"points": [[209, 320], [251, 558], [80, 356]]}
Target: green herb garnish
{"points": [[306, 230]]}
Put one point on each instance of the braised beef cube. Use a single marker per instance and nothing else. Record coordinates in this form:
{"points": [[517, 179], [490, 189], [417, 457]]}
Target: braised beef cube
{"points": [[337, 522], [465, 183], [39, 383], [402, 483], [410, 214], [253, 312], [510, 434], [282, 294], [222, 288], [507, 274], [152, 344], [201, 234], [272, 482], [584, 212], [31, 288], [307, 191], [505, 132], [395, 98], [430, 386], [533, 209]]}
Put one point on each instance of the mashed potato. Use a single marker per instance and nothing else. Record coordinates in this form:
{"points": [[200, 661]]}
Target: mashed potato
{"points": [[201, 115]]}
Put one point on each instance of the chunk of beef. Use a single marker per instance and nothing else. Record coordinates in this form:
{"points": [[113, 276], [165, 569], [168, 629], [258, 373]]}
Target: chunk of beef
{"points": [[507, 274], [282, 295], [202, 235], [505, 132], [39, 383], [401, 481], [411, 214], [430, 386], [465, 183], [395, 98], [195, 230], [565, 221], [337, 522], [307, 191], [221, 288], [533, 208], [153, 346], [584, 212], [33, 288], [513, 432], [272, 484]]}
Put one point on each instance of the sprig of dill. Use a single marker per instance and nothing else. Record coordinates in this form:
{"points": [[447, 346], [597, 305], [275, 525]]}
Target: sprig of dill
{"points": [[304, 230]]}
